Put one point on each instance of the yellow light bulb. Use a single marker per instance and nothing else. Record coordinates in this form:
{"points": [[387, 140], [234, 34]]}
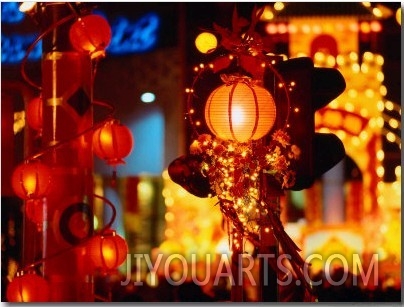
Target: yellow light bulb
{"points": [[206, 42]]}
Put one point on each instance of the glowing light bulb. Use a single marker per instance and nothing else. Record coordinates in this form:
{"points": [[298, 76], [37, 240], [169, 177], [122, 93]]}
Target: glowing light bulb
{"points": [[206, 42]]}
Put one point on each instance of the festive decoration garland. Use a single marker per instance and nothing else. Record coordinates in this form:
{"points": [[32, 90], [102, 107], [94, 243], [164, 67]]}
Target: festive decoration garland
{"points": [[233, 170], [241, 173]]}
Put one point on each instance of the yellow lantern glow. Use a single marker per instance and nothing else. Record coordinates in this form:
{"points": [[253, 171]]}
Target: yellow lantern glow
{"points": [[31, 180], [206, 42], [108, 250], [28, 287], [240, 111]]}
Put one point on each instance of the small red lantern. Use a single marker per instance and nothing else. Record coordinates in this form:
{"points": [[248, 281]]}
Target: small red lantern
{"points": [[112, 142], [34, 113], [240, 110], [107, 250], [91, 34], [28, 287], [31, 180]]}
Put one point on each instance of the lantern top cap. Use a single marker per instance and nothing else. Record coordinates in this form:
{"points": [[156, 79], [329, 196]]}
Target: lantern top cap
{"points": [[109, 232], [238, 78], [23, 272]]}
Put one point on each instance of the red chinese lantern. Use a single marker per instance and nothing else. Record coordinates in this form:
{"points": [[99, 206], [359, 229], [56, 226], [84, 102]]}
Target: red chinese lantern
{"points": [[107, 250], [31, 180], [240, 111], [28, 287], [35, 210], [91, 34], [112, 142], [34, 113]]}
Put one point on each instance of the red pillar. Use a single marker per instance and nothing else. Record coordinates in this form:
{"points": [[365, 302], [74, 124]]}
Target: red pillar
{"points": [[67, 95]]}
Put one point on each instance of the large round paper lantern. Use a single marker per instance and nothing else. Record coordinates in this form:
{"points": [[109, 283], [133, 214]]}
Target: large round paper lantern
{"points": [[108, 250], [28, 287], [112, 142], [91, 34], [31, 180], [34, 113], [240, 111]]}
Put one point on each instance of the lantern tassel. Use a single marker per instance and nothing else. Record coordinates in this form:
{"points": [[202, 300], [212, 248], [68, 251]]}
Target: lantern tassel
{"points": [[113, 179], [290, 248]]}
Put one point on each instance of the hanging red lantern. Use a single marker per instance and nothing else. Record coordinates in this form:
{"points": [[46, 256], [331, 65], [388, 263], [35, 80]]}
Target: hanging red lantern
{"points": [[35, 210], [240, 110], [34, 113], [91, 34], [28, 287], [31, 180], [112, 142], [107, 250]]}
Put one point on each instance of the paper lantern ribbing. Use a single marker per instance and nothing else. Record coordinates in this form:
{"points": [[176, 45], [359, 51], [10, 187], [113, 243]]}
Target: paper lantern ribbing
{"points": [[28, 288], [91, 34], [108, 250], [34, 113], [112, 142], [240, 111], [31, 180]]}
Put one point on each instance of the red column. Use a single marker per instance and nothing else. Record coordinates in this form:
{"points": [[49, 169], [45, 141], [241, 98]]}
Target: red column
{"points": [[67, 112]]}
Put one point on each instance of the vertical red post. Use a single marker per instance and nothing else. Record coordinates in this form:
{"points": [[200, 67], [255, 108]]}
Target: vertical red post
{"points": [[67, 84]]}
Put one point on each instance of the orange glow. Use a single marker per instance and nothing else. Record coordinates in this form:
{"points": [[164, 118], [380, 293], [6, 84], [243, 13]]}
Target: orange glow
{"points": [[112, 142], [91, 34], [31, 180], [271, 28], [240, 112], [365, 27], [206, 42], [107, 251], [282, 28], [375, 26], [28, 288], [35, 210]]}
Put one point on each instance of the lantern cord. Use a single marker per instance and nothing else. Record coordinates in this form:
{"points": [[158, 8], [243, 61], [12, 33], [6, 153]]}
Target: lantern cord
{"points": [[189, 101], [105, 228], [74, 11], [32, 46], [64, 142], [276, 73], [109, 203]]}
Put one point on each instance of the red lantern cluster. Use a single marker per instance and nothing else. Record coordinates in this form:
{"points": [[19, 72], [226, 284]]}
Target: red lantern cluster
{"points": [[112, 142], [31, 180], [107, 250], [28, 287], [91, 34]]}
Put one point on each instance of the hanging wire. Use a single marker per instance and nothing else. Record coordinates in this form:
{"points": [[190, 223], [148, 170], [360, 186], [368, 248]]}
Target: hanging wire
{"points": [[83, 242], [109, 203], [36, 41], [109, 117]]}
